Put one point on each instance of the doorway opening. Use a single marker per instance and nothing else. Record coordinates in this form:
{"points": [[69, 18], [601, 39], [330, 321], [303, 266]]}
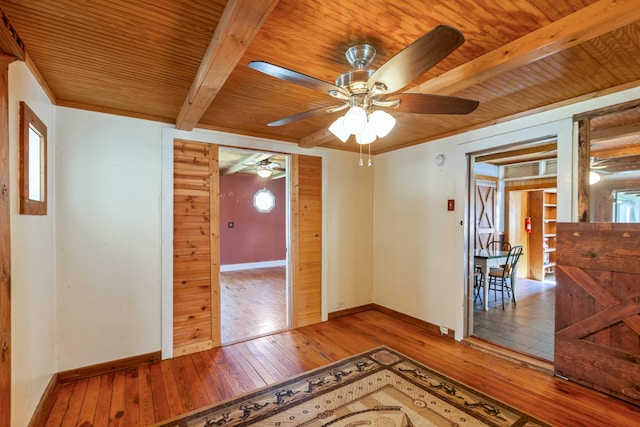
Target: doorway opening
{"points": [[512, 189], [254, 224]]}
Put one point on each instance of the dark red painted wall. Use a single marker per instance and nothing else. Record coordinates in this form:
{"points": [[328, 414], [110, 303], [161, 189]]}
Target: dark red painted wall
{"points": [[255, 236]]}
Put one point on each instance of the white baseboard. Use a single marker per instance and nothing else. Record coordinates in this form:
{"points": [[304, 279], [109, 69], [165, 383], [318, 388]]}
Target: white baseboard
{"points": [[250, 265]]}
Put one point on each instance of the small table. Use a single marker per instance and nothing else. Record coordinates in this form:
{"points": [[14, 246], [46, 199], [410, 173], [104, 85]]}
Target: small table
{"points": [[487, 259]]}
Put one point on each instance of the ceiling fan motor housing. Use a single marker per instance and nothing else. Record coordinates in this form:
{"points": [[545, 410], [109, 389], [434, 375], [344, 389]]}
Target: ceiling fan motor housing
{"points": [[355, 81]]}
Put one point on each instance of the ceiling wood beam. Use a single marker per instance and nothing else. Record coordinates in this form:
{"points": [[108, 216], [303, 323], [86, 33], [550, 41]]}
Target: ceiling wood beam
{"points": [[614, 152], [551, 149], [245, 162], [239, 24], [601, 135], [590, 22], [11, 43], [586, 24]]}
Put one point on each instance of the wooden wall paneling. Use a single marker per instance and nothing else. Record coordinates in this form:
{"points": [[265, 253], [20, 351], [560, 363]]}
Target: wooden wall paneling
{"points": [[584, 141], [597, 340], [194, 298], [306, 240], [5, 254]]}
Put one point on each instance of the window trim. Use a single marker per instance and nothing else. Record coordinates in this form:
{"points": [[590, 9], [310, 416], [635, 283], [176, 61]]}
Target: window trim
{"points": [[28, 119]]}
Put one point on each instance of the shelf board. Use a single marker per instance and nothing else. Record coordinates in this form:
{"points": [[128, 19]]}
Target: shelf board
{"points": [[549, 235], [549, 250]]}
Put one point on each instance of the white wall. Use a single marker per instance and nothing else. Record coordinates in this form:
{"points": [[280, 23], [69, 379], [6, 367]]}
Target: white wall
{"points": [[108, 237], [33, 295], [348, 238], [419, 248], [415, 271]]}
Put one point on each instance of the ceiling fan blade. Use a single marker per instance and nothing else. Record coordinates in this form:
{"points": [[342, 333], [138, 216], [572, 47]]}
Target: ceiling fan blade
{"points": [[415, 59], [296, 77], [420, 103], [304, 115]]}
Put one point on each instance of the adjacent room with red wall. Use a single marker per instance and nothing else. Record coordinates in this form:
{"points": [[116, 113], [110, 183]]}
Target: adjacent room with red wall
{"points": [[247, 235]]}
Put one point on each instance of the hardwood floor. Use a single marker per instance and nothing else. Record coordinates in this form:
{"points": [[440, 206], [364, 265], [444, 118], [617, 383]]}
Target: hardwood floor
{"points": [[153, 392], [253, 303], [527, 327]]}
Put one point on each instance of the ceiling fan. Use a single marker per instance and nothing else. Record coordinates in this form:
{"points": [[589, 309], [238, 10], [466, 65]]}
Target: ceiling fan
{"points": [[364, 89], [266, 167]]}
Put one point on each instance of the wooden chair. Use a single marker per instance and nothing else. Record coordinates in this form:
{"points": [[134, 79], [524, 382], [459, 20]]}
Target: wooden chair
{"points": [[501, 279], [477, 284], [497, 245], [492, 246]]}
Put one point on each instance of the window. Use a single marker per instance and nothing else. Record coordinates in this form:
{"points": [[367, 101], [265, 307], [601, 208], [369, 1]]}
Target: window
{"points": [[609, 164], [33, 163], [264, 200]]}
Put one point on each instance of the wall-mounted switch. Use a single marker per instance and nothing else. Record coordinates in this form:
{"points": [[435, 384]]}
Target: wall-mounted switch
{"points": [[451, 205]]}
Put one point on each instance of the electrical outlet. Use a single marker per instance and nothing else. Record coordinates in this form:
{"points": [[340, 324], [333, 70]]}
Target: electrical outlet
{"points": [[444, 330], [340, 304]]}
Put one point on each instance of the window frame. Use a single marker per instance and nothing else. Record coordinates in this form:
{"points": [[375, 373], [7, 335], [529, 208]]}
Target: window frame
{"points": [[29, 120]]}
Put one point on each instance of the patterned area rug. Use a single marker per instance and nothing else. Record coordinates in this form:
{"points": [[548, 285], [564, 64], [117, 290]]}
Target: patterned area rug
{"points": [[378, 388]]}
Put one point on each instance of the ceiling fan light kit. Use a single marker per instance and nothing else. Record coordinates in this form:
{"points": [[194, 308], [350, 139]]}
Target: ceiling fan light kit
{"points": [[264, 171], [364, 90]]}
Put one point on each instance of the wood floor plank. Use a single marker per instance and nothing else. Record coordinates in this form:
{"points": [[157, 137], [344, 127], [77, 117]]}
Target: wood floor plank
{"points": [[75, 404], [217, 377], [254, 361], [189, 384], [237, 381], [270, 365], [132, 398], [209, 383], [56, 416], [103, 404], [270, 353], [118, 399], [159, 393], [145, 396], [88, 409], [171, 386], [247, 368], [228, 371]]}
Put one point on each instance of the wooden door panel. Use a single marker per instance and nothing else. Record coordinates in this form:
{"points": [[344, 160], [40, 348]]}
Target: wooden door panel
{"points": [[306, 240], [597, 341], [196, 306], [485, 206]]}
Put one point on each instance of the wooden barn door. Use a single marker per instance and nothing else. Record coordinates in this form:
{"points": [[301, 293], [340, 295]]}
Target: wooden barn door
{"points": [[597, 341], [196, 247], [485, 215]]}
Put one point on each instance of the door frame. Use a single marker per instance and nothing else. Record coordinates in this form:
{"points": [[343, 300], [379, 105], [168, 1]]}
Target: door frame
{"points": [[562, 131], [288, 233], [222, 139]]}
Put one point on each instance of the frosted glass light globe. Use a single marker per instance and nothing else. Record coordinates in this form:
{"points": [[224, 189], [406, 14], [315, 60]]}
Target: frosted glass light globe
{"points": [[355, 120]]}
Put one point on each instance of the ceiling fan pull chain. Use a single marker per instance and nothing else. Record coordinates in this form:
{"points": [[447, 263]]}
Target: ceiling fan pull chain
{"points": [[361, 161], [369, 163]]}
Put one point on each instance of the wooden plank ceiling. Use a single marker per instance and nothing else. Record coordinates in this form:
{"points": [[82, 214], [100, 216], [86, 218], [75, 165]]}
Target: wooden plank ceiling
{"points": [[185, 62]]}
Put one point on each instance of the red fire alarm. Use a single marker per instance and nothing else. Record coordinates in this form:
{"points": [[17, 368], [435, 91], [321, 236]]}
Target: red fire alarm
{"points": [[451, 205]]}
